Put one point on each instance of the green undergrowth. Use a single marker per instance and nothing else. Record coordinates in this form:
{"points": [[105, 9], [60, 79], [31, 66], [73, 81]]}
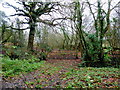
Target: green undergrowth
{"points": [[49, 75], [15, 67], [89, 77]]}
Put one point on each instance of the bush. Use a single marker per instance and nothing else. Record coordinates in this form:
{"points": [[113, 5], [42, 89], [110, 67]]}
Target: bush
{"points": [[43, 56], [15, 52]]}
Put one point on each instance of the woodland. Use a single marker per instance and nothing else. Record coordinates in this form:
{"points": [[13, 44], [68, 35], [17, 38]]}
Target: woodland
{"points": [[50, 44]]}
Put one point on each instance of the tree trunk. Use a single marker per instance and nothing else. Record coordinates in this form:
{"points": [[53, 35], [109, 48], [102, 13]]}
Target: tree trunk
{"points": [[31, 37]]}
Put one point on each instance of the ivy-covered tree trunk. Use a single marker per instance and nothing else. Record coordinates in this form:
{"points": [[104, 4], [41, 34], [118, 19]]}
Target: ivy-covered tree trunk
{"points": [[82, 44], [3, 31], [100, 29]]}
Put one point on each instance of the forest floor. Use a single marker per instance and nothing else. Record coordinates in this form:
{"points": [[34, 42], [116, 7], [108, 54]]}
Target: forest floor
{"points": [[61, 70]]}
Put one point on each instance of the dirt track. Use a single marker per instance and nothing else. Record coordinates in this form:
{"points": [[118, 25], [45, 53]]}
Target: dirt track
{"points": [[55, 60]]}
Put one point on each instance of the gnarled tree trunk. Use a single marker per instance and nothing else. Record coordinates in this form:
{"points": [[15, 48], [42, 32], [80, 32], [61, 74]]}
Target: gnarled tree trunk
{"points": [[31, 37]]}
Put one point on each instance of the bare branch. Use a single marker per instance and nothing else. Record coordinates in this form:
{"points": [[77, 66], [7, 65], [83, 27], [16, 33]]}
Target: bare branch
{"points": [[19, 14], [117, 5], [18, 10], [46, 22], [17, 28], [91, 10]]}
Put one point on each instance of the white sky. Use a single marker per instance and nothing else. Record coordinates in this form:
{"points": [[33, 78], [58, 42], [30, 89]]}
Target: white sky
{"points": [[10, 11]]}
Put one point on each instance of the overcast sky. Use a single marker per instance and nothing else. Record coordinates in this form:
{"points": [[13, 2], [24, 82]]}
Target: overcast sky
{"points": [[10, 11]]}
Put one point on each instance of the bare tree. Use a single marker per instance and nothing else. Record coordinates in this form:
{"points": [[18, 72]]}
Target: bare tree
{"points": [[32, 12]]}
